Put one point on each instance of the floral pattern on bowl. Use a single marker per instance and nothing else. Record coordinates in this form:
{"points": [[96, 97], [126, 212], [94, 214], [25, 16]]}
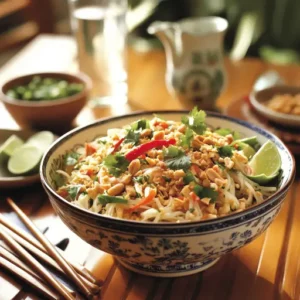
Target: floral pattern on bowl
{"points": [[173, 249]]}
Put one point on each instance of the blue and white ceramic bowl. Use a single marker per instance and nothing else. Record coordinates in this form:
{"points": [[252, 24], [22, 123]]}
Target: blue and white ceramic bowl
{"points": [[172, 249]]}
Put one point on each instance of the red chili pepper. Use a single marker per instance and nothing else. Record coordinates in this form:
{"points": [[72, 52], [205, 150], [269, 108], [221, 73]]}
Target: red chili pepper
{"points": [[89, 149], [144, 201], [136, 152], [117, 145]]}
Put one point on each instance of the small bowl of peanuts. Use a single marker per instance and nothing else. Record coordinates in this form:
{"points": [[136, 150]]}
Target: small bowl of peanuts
{"points": [[280, 104]]}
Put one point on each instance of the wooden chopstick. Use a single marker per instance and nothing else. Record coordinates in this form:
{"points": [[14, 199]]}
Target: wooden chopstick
{"points": [[51, 249], [46, 258], [32, 281], [8, 253], [34, 263], [26, 236]]}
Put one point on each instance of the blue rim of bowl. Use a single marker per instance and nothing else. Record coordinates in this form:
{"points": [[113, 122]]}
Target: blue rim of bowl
{"points": [[185, 227]]}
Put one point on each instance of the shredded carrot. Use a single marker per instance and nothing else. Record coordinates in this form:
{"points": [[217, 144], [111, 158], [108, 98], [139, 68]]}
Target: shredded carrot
{"points": [[194, 196], [144, 201]]}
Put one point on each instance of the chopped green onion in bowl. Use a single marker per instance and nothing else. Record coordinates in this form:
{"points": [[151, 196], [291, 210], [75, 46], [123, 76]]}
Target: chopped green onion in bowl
{"points": [[41, 89]]}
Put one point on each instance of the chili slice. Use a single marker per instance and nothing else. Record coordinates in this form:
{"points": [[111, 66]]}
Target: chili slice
{"points": [[117, 145], [139, 150]]}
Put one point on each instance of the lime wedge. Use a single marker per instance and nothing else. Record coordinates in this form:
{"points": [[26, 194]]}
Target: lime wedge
{"points": [[25, 159], [11, 144], [42, 140], [265, 164], [251, 141], [248, 150], [8, 147]]}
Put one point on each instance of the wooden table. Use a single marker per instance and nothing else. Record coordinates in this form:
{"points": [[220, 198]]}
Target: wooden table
{"points": [[268, 268]]}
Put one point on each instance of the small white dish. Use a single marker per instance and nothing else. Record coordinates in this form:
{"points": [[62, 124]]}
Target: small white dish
{"points": [[8, 180], [258, 100]]}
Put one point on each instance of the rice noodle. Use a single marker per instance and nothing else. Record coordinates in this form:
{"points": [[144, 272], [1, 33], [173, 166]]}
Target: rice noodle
{"points": [[223, 178]]}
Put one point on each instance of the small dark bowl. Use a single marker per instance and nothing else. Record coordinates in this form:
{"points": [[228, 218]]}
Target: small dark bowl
{"points": [[47, 114]]}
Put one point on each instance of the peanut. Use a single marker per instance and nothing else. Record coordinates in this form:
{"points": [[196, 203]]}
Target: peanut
{"points": [[116, 189], [212, 174], [178, 174], [134, 166], [145, 132], [159, 135], [126, 179]]}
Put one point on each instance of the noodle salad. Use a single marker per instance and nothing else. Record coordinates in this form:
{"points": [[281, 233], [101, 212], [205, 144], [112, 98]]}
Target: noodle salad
{"points": [[164, 171]]}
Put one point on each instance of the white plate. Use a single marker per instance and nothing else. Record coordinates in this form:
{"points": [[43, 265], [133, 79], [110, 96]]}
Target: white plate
{"points": [[8, 180], [258, 99]]}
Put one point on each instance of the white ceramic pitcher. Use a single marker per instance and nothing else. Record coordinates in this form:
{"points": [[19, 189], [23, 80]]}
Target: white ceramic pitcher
{"points": [[194, 50]]}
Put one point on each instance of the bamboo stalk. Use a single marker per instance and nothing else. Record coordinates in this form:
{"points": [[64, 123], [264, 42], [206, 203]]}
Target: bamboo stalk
{"points": [[34, 264], [51, 250]]}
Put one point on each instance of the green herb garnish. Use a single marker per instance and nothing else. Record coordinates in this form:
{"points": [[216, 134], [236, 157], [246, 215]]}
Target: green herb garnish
{"points": [[176, 159], [205, 192], [172, 151], [71, 158], [195, 120], [185, 140], [140, 124], [105, 199], [139, 179], [189, 177], [116, 164], [73, 191], [132, 137], [226, 131], [103, 142], [226, 151]]}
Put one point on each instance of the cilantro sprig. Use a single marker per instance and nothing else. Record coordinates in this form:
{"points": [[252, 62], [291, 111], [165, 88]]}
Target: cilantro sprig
{"points": [[205, 192], [116, 164], [73, 191], [132, 137], [186, 138], [226, 151], [176, 159], [71, 158], [189, 177], [195, 120]]}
